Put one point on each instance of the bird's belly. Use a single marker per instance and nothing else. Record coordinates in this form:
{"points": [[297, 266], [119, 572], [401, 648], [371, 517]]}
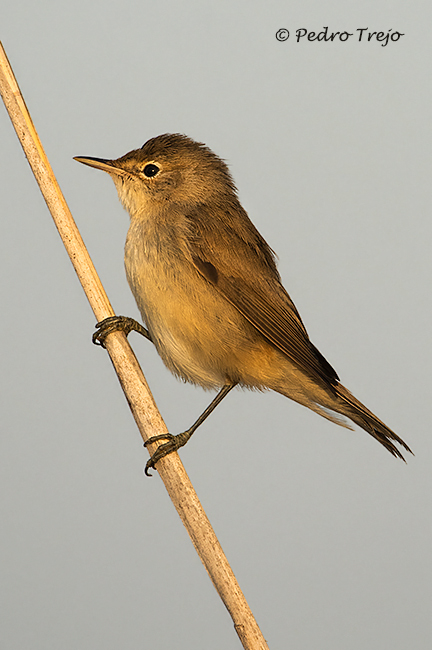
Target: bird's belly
{"points": [[198, 334], [185, 336]]}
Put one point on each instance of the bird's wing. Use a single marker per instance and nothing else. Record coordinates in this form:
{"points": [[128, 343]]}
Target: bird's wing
{"points": [[248, 279]]}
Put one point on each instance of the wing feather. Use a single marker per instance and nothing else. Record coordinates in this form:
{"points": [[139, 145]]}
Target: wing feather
{"points": [[244, 272]]}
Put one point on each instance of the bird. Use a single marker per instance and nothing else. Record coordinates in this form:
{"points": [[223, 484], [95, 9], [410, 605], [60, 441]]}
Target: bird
{"points": [[209, 292]]}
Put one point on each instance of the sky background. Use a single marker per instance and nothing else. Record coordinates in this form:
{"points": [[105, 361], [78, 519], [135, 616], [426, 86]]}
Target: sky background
{"points": [[329, 144]]}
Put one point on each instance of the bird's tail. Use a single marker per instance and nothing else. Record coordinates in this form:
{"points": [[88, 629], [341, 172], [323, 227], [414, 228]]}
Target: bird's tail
{"points": [[346, 404]]}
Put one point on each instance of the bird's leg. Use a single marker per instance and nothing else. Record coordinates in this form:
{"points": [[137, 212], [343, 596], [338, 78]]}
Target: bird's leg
{"points": [[117, 323], [176, 441]]}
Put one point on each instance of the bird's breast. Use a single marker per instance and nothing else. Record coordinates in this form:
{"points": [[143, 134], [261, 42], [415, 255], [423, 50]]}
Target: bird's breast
{"points": [[186, 317]]}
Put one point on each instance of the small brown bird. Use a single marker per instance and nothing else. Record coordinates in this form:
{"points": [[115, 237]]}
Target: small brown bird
{"points": [[208, 289]]}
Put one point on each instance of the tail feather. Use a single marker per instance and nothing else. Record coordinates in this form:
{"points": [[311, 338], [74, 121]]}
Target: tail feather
{"points": [[349, 406]]}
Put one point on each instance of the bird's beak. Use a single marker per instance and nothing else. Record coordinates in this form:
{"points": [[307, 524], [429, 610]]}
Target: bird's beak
{"points": [[101, 163]]}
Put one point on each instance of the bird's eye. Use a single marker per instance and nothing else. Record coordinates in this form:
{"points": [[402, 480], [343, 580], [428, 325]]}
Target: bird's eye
{"points": [[150, 170]]}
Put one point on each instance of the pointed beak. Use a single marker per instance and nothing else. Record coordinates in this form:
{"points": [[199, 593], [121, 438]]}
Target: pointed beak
{"points": [[100, 163]]}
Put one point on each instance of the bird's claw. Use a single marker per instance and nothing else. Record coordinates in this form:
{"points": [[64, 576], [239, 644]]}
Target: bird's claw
{"points": [[115, 324], [174, 443]]}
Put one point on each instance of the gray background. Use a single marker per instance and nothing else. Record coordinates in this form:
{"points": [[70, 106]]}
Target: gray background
{"points": [[329, 144]]}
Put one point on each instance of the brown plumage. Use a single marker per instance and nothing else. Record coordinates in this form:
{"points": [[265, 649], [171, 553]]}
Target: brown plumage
{"points": [[207, 285]]}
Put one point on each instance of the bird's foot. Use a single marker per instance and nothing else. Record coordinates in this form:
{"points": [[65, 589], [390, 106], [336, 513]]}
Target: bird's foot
{"points": [[115, 324], [174, 443]]}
